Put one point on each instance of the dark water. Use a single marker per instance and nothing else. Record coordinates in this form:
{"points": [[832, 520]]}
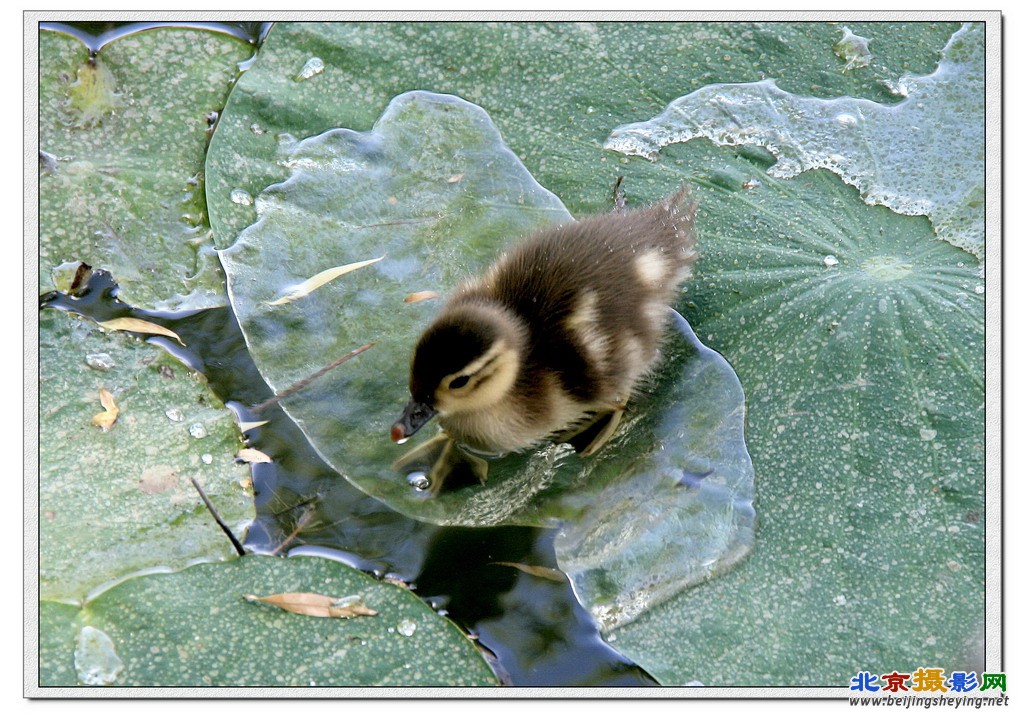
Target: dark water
{"points": [[532, 629]]}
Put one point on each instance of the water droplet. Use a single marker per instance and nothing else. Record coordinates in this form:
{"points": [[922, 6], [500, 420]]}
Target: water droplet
{"points": [[99, 361], [313, 66], [830, 261], [846, 120], [96, 661], [928, 434], [241, 197], [197, 430], [256, 129], [419, 480], [175, 415], [839, 600], [207, 458], [406, 628], [980, 289]]}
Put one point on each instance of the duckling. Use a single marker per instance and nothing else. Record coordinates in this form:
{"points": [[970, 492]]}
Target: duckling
{"points": [[550, 343]]}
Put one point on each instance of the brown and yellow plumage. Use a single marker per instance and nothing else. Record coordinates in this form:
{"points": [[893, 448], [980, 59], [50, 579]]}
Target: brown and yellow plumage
{"points": [[558, 331]]}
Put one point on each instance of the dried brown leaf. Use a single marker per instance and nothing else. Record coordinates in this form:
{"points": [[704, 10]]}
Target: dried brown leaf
{"points": [[252, 455], [108, 417], [315, 605], [321, 278], [130, 324], [540, 571], [420, 296]]}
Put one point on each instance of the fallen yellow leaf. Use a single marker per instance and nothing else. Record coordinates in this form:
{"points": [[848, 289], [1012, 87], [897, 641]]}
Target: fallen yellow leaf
{"points": [[129, 324], [252, 455], [420, 296], [315, 605], [108, 417], [321, 278]]}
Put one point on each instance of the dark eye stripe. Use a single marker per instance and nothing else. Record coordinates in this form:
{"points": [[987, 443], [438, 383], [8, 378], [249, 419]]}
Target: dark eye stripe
{"points": [[482, 374]]}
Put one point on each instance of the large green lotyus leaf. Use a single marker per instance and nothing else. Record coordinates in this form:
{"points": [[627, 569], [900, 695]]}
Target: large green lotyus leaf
{"points": [[195, 628], [122, 138], [119, 501]]}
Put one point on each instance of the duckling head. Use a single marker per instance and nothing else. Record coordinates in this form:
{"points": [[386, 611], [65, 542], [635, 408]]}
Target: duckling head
{"points": [[467, 361]]}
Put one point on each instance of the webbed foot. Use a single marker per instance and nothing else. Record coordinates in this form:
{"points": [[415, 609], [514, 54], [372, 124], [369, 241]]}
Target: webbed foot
{"points": [[444, 462], [593, 436]]}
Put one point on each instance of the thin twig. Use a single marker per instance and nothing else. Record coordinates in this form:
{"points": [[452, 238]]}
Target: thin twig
{"points": [[303, 383], [227, 531], [619, 196]]}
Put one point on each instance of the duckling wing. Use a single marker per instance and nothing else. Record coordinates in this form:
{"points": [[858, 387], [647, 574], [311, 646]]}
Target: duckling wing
{"points": [[594, 293]]}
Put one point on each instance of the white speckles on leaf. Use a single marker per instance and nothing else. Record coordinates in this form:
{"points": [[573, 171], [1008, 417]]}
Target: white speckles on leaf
{"points": [[133, 123], [158, 479], [111, 490], [190, 628]]}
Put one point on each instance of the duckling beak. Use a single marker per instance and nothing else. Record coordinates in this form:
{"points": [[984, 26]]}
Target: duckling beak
{"points": [[415, 416]]}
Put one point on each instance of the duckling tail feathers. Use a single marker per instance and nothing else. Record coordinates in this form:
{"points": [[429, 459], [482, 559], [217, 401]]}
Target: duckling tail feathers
{"points": [[678, 216], [681, 209]]}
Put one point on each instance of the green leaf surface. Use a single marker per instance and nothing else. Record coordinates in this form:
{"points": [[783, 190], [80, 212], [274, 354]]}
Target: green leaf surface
{"points": [[120, 501], [924, 156], [555, 90], [857, 336], [194, 628], [859, 339], [123, 139]]}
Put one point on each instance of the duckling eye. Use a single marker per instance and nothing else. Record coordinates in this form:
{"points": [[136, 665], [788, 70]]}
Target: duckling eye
{"points": [[459, 382]]}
